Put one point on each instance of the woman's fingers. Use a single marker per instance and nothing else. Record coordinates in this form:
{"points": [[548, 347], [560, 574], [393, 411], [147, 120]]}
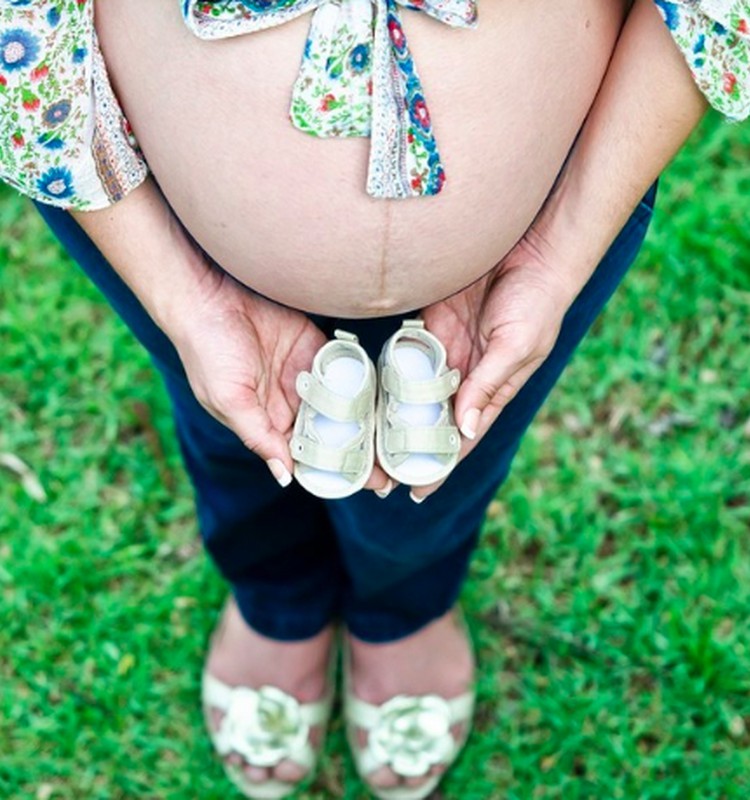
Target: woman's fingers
{"points": [[506, 392], [380, 483], [256, 431], [492, 383], [484, 421]]}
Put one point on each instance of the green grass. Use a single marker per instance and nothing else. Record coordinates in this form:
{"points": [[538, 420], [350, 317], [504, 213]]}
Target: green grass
{"points": [[609, 599]]}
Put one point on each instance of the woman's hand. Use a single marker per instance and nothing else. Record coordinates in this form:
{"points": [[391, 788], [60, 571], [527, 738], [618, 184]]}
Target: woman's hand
{"points": [[501, 329], [242, 354], [498, 331]]}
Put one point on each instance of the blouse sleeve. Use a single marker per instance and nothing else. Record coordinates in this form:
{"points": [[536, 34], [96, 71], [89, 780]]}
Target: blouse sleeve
{"points": [[64, 140], [714, 36]]}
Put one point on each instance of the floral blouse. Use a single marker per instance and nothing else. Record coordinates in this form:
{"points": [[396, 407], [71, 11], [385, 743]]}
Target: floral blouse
{"points": [[65, 141]]}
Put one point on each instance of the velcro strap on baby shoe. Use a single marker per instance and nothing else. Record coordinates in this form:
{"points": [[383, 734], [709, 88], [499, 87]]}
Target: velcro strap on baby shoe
{"points": [[435, 390], [345, 336], [442, 440], [330, 459], [330, 404]]}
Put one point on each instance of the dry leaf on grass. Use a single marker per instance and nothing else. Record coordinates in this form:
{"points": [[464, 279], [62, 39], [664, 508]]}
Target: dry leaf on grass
{"points": [[31, 484]]}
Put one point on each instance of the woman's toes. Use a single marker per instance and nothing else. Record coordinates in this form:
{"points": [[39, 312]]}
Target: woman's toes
{"points": [[257, 774], [383, 778], [288, 771], [414, 783], [216, 718], [438, 769], [234, 760]]}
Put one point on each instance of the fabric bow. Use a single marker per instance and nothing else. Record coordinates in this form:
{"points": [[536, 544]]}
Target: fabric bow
{"points": [[357, 77]]}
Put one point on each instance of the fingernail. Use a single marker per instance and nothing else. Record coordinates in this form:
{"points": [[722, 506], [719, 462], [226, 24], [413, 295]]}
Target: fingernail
{"points": [[471, 423], [280, 472], [386, 490], [418, 500]]}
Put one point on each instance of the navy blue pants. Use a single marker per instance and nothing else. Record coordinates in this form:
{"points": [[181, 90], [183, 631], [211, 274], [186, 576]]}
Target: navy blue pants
{"points": [[386, 567]]}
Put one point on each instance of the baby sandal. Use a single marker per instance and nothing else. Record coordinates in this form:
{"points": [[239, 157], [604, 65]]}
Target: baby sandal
{"points": [[332, 445], [417, 438]]}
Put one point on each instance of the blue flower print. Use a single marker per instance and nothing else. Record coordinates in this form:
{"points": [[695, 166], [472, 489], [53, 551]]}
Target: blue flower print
{"points": [[56, 183], [79, 55], [671, 13], [53, 17], [359, 58], [18, 49], [266, 5], [57, 113]]}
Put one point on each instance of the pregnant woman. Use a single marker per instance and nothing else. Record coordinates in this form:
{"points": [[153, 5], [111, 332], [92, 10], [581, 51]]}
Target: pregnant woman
{"points": [[485, 168]]}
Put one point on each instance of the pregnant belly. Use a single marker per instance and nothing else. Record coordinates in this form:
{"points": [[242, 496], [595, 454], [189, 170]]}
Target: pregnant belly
{"points": [[287, 214]]}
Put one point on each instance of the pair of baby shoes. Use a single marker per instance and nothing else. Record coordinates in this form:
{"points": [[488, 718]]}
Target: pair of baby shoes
{"points": [[349, 412]]}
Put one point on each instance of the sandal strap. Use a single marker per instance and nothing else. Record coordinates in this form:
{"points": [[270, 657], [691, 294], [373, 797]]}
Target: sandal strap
{"points": [[367, 716], [319, 397], [218, 695], [347, 461], [442, 440], [434, 390]]}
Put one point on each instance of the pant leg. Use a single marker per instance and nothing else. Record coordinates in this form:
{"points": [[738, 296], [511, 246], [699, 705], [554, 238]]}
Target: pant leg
{"points": [[406, 562], [276, 547]]}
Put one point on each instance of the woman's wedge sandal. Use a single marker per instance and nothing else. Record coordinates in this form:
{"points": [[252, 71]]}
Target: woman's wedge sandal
{"points": [[332, 445], [417, 439], [407, 734], [264, 727]]}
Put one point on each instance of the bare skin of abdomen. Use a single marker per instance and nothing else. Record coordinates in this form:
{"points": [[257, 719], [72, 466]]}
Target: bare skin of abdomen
{"points": [[287, 213]]}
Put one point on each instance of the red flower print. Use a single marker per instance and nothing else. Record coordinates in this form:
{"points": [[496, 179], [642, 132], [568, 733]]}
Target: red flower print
{"points": [[31, 103], [18, 140], [3, 80], [327, 102], [416, 184], [397, 35], [743, 27], [39, 72], [369, 87], [421, 113], [730, 81]]}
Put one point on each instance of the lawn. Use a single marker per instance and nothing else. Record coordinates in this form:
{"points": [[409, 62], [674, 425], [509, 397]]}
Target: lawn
{"points": [[609, 601]]}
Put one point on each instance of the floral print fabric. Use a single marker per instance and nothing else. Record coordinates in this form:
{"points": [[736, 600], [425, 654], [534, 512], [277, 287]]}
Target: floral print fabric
{"points": [[357, 78], [714, 36], [65, 141]]}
